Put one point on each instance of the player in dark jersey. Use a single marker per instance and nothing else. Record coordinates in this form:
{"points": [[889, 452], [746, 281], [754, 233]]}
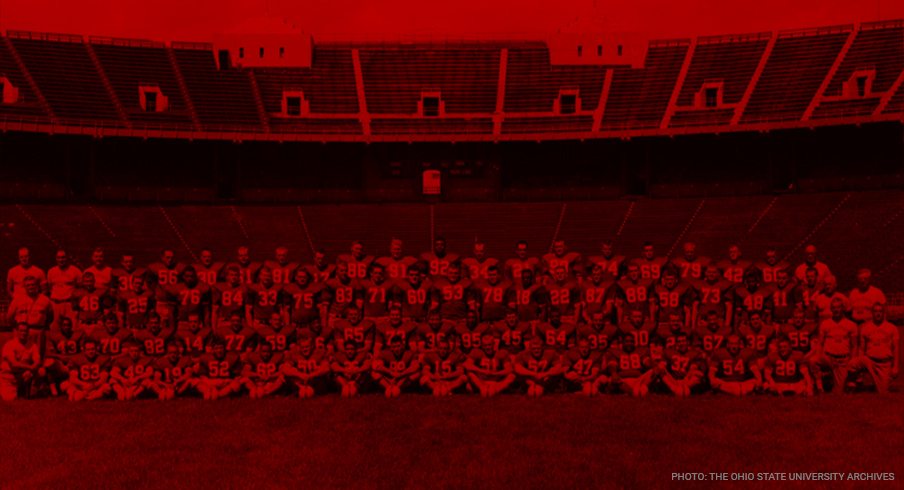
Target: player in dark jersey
{"points": [[62, 345], [629, 368], [690, 266], [672, 296], [685, 366], [598, 332], [307, 369], [771, 266], [91, 303], [162, 275], [649, 266], [564, 295], [195, 340], [396, 368], [190, 296], [89, 374], [135, 305], [582, 369], [443, 369], [396, 264], [521, 262], [154, 338], [262, 373], [633, 293], [110, 338], [228, 298], [494, 294], [131, 373], [219, 372], [710, 333], [538, 367], [713, 293], [639, 328], [598, 294], [263, 300], [395, 327], [437, 260], [282, 268], [456, 294], [733, 369], [304, 300], [351, 368], [415, 295], [758, 337], [786, 371], [561, 257], [376, 294], [613, 266], [751, 296], [511, 333], [734, 267], [243, 264], [530, 299], [341, 293], [468, 333], [207, 270], [432, 331], [489, 369], [322, 337], [358, 262], [477, 267], [558, 334], [668, 332], [127, 272], [173, 374], [280, 336]]}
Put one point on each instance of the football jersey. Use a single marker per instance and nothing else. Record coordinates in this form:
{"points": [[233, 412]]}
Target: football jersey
{"points": [[154, 345], [769, 271], [665, 332], [630, 364], [822, 271], [431, 337], [679, 364], [208, 275], [135, 307], [228, 367], [838, 336], [551, 262], [548, 358], [637, 295], [377, 297], [595, 296], [495, 363], [475, 269], [264, 300], [733, 271], [340, 294], [303, 303], [862, 303], [306, 364], [129, 368], [89, 370], [282, 274], [712, 297], [396, 364], [651, 269], [238, 342], [189, 301], [414, 299], [561, 337], [709, 339], [195, 343], [786, 369], [396, 269], [528, 302], [673, 300], [322, 338], [103, 277], [163, 277], [91, 306], [356, 362], [65, 347], [564, 297], [439, 366], [733, 368], [802, 338], [758, 341], [641, 334], [600, 340], [823, 304], [360, 332], [514, 267], [879, 340], [454, 298], [170, 372], [110, 345], [280, 340], [321, 275], [265, 368], [691, 270], [807, 295], [574, 362], [784, 301], [759, 300], [386, 332], [436, 266], [466, 339], [357, 268], [511, 338], [229, 299], [247, 272], [493, 298], [613, 268], [63, 282]]}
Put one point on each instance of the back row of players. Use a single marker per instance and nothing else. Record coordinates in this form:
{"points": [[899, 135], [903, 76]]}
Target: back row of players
{"points": [[610, 316]]}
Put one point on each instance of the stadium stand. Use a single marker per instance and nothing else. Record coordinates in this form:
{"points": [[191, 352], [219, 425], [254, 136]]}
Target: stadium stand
{"points": [[532, 84], [432, 126], [29, 104], [328, 86]]}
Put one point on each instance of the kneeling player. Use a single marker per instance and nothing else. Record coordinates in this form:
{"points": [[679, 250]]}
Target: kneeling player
{"points": [[684, 366], [219, 372], [131, 373], [89, 374], [734, 370], [443, 370], [261, 373], [630, 367], [396, 368], [539, 368], [490, 370], [172, 373], [307, 368], [787, 372], [582, 369], [350, 367]]}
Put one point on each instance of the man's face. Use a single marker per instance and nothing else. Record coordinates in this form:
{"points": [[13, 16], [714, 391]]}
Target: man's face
{"points": [[690, 253], [606, 248], [797, 318], [555, 317], [190, 278], [810, 255], [636, 318], [397, 347], [771, 257], [811, 278], [471, 320], [712, 320], [536, 349], [342, 271], [597, 321], [414, 276], [520, 251], [315, 325], [172, 353], [629, 343], [527, 278], [681, 344], [712, 274], [863, 280], [134, 353], [275, 321], [675, 323], [266, 278], [453, 274], [395, 316], [128, 262], [596, 275], [670, 281], [511, 319], [98, 258], [559, 274], [493, 276], [282, 256], [439, 248], [154, 325], [488, 345], [396, 250], [301, 277], [357, 250], [91, 350], [377, 275], [734, 253], [648, 252], [24, 258], [62, 259], [351, 350], [306, 348], [219, 351], [169, 258], [751, 283], [781, 279], [443, 349], [830, 286], [266, 351], [656, 350], [480, 250], [233, 277], [319, 259], [756, 322], [22, 333], [584, 348], [31, 286], [559, 248], [243, 256], [111, 325], [66, 327], [236, 322], [194, 323], [878, 313], [435, 322], [784, 348], [734, 345], [354, 316], [207, 258], [634, 273]]}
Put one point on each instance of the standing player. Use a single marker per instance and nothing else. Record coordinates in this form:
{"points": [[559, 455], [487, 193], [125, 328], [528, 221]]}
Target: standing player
{"points": [[172, 374], [880, 340], [304, 301], [457, 295], [822, 270], [786, 371], [734, 267], [395, 327], [771, 266], [341, 293], [307, 369], [89, 374], [564, 295], [436, 261], [629, 368], [538, 367], [62, 279], [477, 267], [165, 274], [356, 328], [614, 267], [246, 269], [263, 300], [358, 262], [672, 297], [20, 364], [135, 305], [598, 294], [712, 294], [102, 273], [757, 337], [282, 269], [808, 291], [530, 299], [561, 257], [864, 297], [415, 295], [649, 266], [433, 331], [111, 339], [598, 332], [377, 292], [514, 267], [219, 372], [190, 296], [154, 339], [494, 293], [127, 272], [634, 293], [559, 335], [750, 296], [490, 370], [734, 370], [228, 298], [582, 369], [351, 368], [512, 333], [443, 369], [131, 373], [691, 265], [784, 297], [207, 270], [320, 270], [91, 303], [685, 366], [396, 264], [396, 368], [823, 300], [261, 374], [637, 327], [15, 278]]}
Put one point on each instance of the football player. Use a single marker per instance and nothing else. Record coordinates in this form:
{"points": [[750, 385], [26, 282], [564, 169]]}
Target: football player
{"points": [[671, 297], [280, 336], [564, 295], [396, 264], [131, 373], [771, 266], [808, 292], [173, 374], [154, 338], [734, 267], [685, 366], [802, 335], [396, 368], [634, 293], [468, 333], [351, 368], [377, 294], [598, 293], [880, 340], [136, 304], [219, 372], [675, 327], [263, 300], [63, 344], [322, 337], [443, 370], [713, 293], [357, 328], [751, 296], [111, 338], [758, 337], [237, 337], [559, 335], [358, 262], [304, 300], [599, 333], [734, 369], [529, 298], [710, 333], [395, 327], [89, 374], [561, 257], [207, 270], [629, 368], [494, 294], [190, 296], [282, 269], [512, 333], [341, 293], [613, 266], [165, 274], [784, 297], [307, 369], [515, 266], [415, 295], [195, 339], [786, 371], [434, 330], [90, 303], [320, 270], [436, 261], [691, 266], [538, 367], [62, 280], [227, 298], [262, 373], [478, 266], [639, 328], [582, 369], [649, 266], [490, 370], [247, 270], [456, 294]]}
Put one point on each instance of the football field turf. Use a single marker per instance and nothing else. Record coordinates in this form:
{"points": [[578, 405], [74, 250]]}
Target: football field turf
{"points": [[560, 441]]}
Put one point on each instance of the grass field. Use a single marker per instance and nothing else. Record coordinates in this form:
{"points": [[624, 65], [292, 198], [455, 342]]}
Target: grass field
{"points": [[562, 441]]}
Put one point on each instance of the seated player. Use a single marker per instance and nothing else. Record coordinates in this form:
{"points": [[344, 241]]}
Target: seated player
{"points": [[598, 332], [433, 331], [558, 334], [173, 373], [131, 373], [734, 370], [219, 372], [786, 371], [582, 369], [111, 338], [307, 369], [196, 340], [262, 374], [20, 363], [63, 344], [685, 366], [629, 368], [879, 340], [280, 336], [443, 369], [396, 368], [89, 374], [758, 336], [837, 345], [490, 370], [511, 333], [154, 339], [538, 367], [350, 368]]}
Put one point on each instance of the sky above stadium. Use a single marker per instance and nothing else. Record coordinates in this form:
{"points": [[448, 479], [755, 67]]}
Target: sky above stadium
{"points": [[199, 20]]}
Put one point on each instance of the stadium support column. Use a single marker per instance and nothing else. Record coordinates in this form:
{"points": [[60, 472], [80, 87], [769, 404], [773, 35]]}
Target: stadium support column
{"points": [[92, 151], [67, 161]]}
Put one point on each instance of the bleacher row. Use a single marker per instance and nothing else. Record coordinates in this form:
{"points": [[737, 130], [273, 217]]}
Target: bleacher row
{"points": [[851, 230], [69, 81]]}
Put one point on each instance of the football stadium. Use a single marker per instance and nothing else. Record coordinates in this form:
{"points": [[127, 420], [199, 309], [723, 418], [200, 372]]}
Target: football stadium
{"points": [[587, 260]]}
